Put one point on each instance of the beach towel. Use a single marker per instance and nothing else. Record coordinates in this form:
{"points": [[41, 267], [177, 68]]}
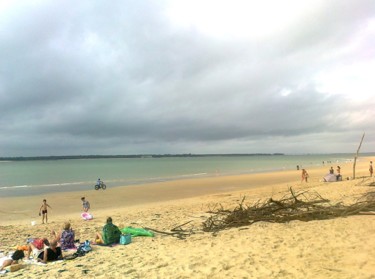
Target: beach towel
{"points": [[137, 231], [35, 262], [330, 178]]}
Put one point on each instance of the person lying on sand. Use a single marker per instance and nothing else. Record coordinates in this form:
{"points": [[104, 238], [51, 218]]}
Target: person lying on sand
{"points": [[111, 234], [17, 255], [53, 253], [65, 237], [36, 246]]}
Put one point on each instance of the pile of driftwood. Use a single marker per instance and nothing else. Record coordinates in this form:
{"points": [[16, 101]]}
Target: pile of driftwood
{"points": [[303, 206]]}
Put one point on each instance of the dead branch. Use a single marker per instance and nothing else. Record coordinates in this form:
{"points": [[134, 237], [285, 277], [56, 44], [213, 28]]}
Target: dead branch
{"points": [[179, 234], [304, 206], [179, 227]]}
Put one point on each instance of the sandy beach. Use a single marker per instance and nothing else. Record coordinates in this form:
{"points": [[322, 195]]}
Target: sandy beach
{"points": [[335, 248]]}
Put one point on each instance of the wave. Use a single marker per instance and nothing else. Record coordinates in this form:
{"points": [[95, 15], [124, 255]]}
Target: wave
{"points": [[42, 185], [14, 187]]}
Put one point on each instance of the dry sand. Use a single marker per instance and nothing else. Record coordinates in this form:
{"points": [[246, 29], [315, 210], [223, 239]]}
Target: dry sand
{"points": [[337, 248]]}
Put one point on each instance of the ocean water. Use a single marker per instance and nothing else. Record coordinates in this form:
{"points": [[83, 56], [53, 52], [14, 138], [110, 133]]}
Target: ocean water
{"points": [[24, 178]]}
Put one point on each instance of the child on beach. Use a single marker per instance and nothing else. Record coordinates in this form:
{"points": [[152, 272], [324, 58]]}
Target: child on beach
{"points": [[85, 204], [43, 211]]}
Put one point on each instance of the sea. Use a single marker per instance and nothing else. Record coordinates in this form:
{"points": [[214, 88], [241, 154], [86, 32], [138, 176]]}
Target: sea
{"points": [[37, 177]]}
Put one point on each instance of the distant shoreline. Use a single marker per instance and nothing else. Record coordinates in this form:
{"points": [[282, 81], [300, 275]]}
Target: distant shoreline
{"points": [[140, 156], [70, 157]]}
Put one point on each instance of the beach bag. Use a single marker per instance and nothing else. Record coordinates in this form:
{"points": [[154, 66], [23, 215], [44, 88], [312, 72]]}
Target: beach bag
{"points": [[87, 246], [125, 239], [84, 248]]}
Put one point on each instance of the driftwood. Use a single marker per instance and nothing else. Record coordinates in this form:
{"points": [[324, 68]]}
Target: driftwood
{"points": [[303, 206], [178, 231]]}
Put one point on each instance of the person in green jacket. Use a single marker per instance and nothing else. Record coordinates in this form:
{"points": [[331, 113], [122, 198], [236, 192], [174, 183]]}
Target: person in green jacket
{"points": [[110, 234]]}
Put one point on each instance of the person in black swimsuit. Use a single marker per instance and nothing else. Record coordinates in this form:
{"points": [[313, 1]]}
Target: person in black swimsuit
{"points": [[53, 253], [43, 211]]}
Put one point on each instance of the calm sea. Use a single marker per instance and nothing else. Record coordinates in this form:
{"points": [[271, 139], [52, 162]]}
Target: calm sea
{"points": [[24, 178]]}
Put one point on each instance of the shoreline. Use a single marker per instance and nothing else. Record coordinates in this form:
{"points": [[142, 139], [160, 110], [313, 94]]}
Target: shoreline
{"points": [[23, 208], [53, 185], [332, 248]]}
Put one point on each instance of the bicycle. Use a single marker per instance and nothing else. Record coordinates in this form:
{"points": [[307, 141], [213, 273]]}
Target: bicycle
{"points": [[101, 185]]}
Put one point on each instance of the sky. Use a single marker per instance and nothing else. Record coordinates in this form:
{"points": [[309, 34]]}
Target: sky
{"points": [[169, 77]]}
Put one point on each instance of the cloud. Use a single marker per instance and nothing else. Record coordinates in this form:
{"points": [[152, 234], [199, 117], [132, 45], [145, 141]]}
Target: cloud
{"points": [[89, 78]]}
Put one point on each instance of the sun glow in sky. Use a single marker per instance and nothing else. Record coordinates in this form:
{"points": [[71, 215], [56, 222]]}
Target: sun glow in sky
{"points": [[354, 76], [260, 20], [239, 18]]}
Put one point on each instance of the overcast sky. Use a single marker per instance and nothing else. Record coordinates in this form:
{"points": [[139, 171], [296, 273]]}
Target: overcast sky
{"points": [[131, 77]]}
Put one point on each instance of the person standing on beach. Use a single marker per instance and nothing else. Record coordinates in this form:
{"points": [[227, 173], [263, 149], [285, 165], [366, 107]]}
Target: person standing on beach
{"points": [[331, 170], [85, 204], [338, 176], [43, 210], [371, 170], [305, 175]]}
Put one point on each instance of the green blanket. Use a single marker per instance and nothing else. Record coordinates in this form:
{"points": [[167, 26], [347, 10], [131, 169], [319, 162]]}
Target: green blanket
{"points": [[137, 231]]}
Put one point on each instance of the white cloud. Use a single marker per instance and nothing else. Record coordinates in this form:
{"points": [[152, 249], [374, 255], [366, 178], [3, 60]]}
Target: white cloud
{"points": [[191, 76], [239, 18]]}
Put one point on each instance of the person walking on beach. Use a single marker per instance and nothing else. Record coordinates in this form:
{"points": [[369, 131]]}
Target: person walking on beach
{"points": [[43, 210], [371, 170], [85, 204], [305, 175]]}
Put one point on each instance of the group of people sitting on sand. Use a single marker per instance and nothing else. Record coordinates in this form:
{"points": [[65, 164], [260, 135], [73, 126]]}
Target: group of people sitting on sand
{"points": [[43, 250]]}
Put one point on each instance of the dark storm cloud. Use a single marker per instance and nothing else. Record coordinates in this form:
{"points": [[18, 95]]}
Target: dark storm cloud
{"points": [[91, 78]]}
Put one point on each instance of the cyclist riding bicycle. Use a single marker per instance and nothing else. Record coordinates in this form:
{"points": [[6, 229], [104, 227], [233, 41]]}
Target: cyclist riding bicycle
{"points": [[99, 182]]}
